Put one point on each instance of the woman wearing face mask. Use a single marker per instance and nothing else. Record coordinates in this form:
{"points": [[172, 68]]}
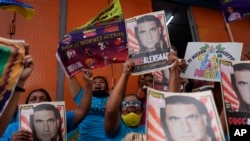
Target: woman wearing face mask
{"points": [[123, 113], [91, 128]]}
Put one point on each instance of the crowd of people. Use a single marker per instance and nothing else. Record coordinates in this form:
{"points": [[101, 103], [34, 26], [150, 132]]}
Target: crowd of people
{"points": [[104, 114]]}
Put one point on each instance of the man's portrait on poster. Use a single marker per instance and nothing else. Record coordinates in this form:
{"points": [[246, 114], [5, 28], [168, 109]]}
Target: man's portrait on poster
{"points": [[46, 123], [241, 85], [185, 118], [149, 34]]}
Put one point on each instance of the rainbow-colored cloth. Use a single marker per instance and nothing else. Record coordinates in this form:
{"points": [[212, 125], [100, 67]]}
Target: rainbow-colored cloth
{"points": [[12, 53]]}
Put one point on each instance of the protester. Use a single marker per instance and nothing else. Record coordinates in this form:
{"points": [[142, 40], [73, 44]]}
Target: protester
{"points": [[144, 81], [92, 127], [124, 111], [74, 117], [11, 107]]}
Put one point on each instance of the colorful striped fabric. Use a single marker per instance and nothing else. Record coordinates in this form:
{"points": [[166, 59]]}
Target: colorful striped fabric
{"points": [[11, 55]]}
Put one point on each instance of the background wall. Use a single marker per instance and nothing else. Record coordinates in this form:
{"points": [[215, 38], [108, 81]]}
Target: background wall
{"points": [[42, 34]]}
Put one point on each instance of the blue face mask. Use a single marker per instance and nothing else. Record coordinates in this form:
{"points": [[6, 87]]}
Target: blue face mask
{"points": [[100, 93]]}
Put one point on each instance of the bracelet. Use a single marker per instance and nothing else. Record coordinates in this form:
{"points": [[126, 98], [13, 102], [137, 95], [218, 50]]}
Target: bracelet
{"points": [[19, 89]]}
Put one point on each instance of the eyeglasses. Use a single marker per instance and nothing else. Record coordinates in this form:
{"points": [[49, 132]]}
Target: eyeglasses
{"points": [[135, 103]]}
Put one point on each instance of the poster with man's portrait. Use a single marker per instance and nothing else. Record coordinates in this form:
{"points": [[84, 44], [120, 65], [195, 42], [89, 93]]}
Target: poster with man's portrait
{"points": [[148, 42], [203, 59], [182, 116], [235, 87], [46, 120]]}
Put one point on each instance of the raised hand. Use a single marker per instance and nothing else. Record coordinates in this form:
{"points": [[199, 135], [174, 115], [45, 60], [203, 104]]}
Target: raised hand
{"points": [[28, 67], [87, 76], [128, 65]]}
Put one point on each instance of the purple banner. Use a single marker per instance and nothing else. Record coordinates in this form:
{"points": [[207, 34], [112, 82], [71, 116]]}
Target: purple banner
{"points": [[93, 48], [234, 10]]}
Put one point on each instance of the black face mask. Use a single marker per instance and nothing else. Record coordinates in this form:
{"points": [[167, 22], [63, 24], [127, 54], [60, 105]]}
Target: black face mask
{"points": [[100, 93]]}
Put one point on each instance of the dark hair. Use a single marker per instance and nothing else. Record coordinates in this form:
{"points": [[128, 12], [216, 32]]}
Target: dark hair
{"points": [[137, 97], [186, 100], [148, 74], [148, 18], [105, 81], [41, 90], [240, 67], [48, 107]]}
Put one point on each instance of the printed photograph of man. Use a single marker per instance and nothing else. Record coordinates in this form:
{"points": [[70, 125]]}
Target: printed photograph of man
{"points": [[241, 85], [46, 123], [185, 118], [149, 34]]}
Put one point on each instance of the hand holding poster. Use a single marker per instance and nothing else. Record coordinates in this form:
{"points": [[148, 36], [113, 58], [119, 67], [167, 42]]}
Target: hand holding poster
{"points": [[12, 53], [203, 59], [182, 116], [148, 42], [40, 117], [235, 84]]}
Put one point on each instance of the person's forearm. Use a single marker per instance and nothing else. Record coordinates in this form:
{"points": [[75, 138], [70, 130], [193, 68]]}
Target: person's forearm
{"points": [[174, 81], [112, 114], [9, 111], [84, 105], [118, 92], [74, 87]]}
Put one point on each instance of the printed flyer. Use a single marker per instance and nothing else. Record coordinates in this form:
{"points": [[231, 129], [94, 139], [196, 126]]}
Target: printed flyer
{"points": [[46, 120], [148, 42], [235, 87], [182, 116], [93, 48]]}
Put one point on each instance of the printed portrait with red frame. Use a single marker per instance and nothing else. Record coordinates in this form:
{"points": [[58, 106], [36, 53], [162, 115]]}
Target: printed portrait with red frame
{"points": [[45, 120], [181, 110]]}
